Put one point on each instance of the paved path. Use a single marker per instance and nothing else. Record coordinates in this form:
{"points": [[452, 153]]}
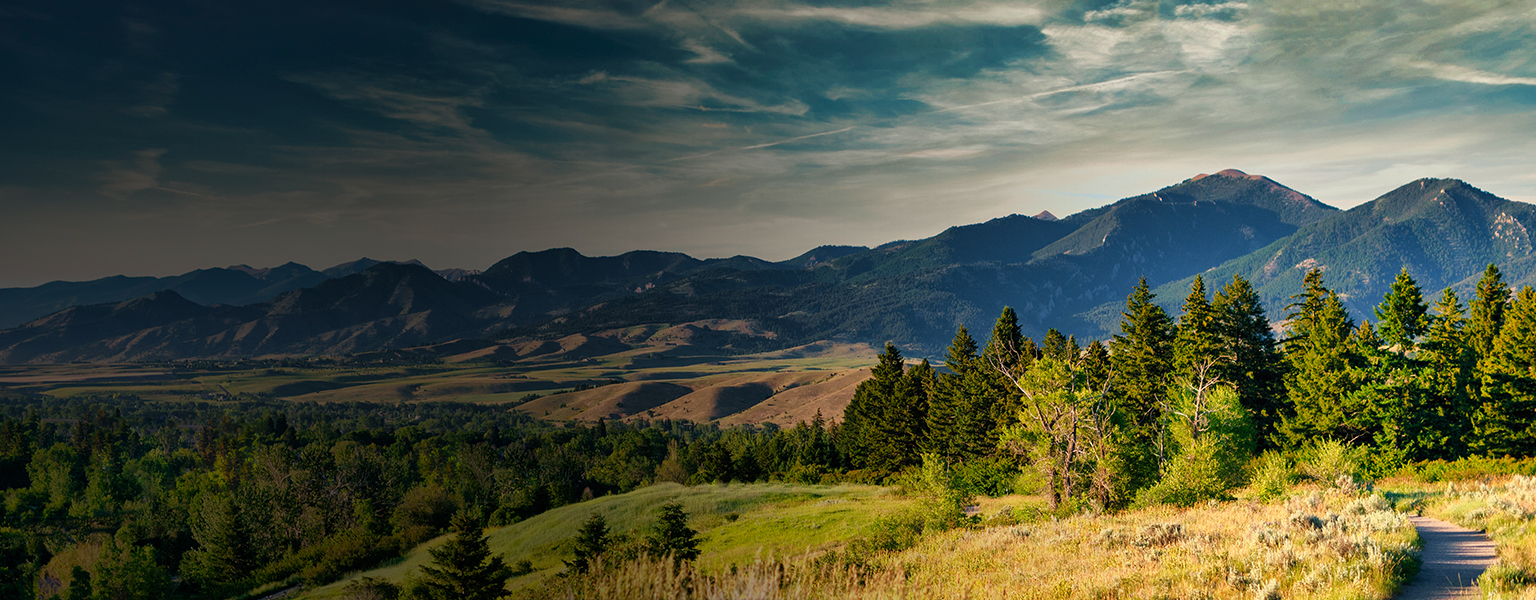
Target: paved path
{"points": [[1453, 558]]}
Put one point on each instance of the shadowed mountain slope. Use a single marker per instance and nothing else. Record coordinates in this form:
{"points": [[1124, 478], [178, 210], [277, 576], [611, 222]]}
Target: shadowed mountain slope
{"points": [[1444, 231]]}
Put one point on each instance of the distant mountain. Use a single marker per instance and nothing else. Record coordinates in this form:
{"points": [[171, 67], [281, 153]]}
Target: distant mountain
{"points": [[1071, 273], [1052, 272], [388, 305], [236, 285], [1444, 231]]}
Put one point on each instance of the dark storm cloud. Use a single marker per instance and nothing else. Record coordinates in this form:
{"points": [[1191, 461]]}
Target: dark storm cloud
{"points": [[156, 137]]}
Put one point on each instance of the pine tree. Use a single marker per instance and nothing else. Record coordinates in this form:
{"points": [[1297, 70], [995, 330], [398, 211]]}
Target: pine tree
{"points": [[671, 535], [1449, 365], [1320, 379], [463, 568], [899, 427], [591, 541], [1257, 368], [1506, 421], [1142, 355], [1486, 315], [1199, 337], [859, 436], [224, 553], [948, 403], [1400, 316]]}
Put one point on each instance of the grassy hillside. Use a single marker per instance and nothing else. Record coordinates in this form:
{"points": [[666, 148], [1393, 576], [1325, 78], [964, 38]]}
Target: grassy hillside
{"points": [[1317, 543], [737, 522]]}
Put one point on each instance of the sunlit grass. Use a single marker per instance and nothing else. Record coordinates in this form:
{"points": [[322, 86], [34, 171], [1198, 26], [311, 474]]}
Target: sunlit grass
{"points": [[1315, 545]]}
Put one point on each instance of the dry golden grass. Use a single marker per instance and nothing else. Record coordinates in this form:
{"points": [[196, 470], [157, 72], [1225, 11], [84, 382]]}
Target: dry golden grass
{"points": [[1316, 545]]}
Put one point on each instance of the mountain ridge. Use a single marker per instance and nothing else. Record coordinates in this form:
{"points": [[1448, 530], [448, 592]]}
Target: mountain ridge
{"points": [[1071, 274]]}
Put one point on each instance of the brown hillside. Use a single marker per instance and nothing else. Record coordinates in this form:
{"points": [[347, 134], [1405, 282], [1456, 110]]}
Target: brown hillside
{"points": [[607, 402], [726, 396], [789, 407]]}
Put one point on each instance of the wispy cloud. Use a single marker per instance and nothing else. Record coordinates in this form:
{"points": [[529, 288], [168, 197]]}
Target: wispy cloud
{"points": [[140, 172], [1470, 75]]}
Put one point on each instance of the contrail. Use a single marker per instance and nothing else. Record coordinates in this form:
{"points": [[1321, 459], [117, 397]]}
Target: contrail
{"points": [[1071, 88], [793, 139]]}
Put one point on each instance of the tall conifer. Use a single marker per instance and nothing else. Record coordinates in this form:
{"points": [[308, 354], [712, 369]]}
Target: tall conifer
{"points": [[948, 403], [1142, 355], [1257, 369], [1450, 366], [1506, 421], [1400, 316], [1198, 338], [1486, 315], [1319, 350]]}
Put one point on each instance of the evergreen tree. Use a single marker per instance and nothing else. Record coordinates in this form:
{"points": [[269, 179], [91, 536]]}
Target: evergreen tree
{"points": [[900, 425], [949, 402], [1008, 349], [1320, 381], [1198, 340], [463, 568], [1450, 365], [224, 555], [672, 536], [591, 541], [1400, 316], [859, 436], [1256, 368], [1486, 315], [1506, 421], [1142, 355]]}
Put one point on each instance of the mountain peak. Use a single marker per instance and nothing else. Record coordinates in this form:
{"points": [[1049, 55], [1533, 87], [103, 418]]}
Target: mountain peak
{"points": [[1230, 173], [1046, 215]]}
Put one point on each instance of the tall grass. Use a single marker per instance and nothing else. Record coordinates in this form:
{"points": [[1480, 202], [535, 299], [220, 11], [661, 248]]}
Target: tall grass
{"points": [[1321, 545]]}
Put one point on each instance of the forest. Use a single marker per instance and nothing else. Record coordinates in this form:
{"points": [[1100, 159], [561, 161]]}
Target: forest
{"points": [[114, 497]]}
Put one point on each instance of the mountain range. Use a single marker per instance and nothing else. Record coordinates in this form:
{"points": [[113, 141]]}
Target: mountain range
{"points": [[1071, 273]]}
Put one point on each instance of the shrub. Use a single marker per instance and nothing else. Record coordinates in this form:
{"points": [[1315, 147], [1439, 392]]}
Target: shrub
{"points": [[425, 506], [1331, 463], [368, 588], [1272, 476]]}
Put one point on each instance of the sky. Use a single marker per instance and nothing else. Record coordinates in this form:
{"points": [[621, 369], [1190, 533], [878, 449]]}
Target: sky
{"points": [[153, 138]]}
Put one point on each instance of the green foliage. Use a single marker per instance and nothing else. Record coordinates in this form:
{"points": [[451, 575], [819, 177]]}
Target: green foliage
{"points": [[463, 568], [943, 498], [1400, 316], [1068, 433], [1331, 463], [1272, 475], [1254, 365], [1486, 316], [1320, 381], [1215, 441], [592, 540], [671, 536], [1506, 421], [1143, 360]]}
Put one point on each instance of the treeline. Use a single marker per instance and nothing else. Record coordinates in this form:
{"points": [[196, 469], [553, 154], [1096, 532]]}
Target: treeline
{"points": [[113, 497], [1173, 408]]}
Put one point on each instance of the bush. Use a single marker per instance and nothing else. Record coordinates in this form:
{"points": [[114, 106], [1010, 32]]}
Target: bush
{"points": [[1331, 463], [368, 588], [989, 476], [426, 506], [1272, 476], [1214, 444]]}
